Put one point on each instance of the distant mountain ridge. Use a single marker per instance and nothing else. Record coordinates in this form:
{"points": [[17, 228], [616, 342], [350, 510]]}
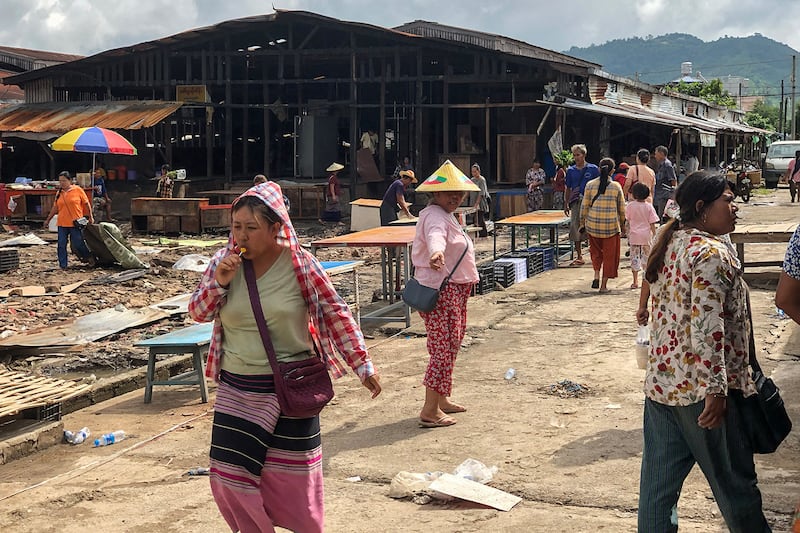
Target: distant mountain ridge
{"points": [[658, 59]]}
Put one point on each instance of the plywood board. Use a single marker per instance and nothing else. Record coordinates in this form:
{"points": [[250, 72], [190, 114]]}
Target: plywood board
{"points": [[38, 290], [473, 491]]}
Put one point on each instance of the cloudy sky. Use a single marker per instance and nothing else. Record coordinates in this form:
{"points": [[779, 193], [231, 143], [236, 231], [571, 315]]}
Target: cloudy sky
{"points": [[91, 26]]}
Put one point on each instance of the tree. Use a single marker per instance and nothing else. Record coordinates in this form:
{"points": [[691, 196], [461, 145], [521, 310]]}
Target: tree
{"points": [[710, 92], [763, 116]]}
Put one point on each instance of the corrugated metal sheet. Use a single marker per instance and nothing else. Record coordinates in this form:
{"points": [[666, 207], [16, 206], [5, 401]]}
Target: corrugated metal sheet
{"points": [[485, 40], [647, 103], [61, 117], [498, 43]]}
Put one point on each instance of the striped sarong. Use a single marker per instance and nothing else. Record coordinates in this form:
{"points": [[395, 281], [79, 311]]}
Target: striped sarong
{"points": [[266, 469]]}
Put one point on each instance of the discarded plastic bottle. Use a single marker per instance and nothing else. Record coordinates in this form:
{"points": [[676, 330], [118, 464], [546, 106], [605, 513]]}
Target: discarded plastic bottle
{"points": [[510, 373], [110, 438], [780, 312], [78, 437], [199, 471]]}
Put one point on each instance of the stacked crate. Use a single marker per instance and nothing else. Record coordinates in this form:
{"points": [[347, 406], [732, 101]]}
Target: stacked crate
{"points": [[548, 256], [9, 259], [485, 280], [503, 272]]}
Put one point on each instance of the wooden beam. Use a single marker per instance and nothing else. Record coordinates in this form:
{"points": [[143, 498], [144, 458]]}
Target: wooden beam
{"points": [[308, 38]]}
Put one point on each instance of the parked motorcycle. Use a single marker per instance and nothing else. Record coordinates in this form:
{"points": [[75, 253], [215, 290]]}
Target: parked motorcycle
{"points": [[743, 186]]}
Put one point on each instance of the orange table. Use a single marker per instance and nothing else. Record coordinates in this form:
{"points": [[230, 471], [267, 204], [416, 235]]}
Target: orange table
{"points": [[388, 239], [551, 219]]}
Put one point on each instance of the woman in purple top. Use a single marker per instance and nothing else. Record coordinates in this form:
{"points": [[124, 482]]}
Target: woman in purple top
{"points": [[439, 242]]}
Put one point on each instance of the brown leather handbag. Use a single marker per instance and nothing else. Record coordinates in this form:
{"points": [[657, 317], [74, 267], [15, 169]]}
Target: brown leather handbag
{"points": [[303, 387]]}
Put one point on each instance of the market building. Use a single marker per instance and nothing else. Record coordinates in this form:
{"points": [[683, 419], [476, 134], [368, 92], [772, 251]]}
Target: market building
{"points": [[289, 92]]}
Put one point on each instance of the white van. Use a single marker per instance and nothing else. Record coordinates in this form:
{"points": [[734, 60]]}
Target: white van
{"points": [[779, 154]]}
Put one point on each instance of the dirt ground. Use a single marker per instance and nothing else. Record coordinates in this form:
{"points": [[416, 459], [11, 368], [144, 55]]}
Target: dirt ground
{"points": [[574, 461]]}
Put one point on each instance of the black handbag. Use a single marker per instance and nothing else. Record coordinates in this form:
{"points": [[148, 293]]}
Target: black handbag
{"points": [[763, 415], [422, 298]]}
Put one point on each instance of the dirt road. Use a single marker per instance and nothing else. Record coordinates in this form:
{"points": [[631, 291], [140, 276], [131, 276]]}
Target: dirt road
{"points": [[574, 461]]}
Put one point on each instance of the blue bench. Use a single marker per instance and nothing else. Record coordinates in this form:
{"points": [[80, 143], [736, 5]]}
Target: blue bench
{"points": [[194, 340]]}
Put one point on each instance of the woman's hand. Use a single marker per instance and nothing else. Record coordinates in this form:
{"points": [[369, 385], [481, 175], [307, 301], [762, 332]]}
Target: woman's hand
{"points": [[437, 260], [226, 270], [642, 316], [713, 414], [373, 384]]}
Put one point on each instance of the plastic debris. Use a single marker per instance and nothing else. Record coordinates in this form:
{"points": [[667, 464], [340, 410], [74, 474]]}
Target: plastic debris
{"points": [[567, 389]]}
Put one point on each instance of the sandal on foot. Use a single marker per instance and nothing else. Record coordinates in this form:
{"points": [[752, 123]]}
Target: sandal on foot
{"points": [[605, 291], [577, 262], [596, 284], [634, 285], [455, 409], [440, 423]]}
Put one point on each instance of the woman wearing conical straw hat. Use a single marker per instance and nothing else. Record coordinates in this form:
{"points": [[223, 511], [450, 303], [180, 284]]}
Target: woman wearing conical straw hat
{"points": [[438, 244], [333, 210]]}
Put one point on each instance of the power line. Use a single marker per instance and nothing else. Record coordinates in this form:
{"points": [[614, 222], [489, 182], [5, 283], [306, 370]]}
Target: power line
{"points": [[706, 67]]}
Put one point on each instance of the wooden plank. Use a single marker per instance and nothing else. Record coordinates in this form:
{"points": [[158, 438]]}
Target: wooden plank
{"points": [[380, 236], [190, 224], [155, 223], [466, 489], [172, 224]]}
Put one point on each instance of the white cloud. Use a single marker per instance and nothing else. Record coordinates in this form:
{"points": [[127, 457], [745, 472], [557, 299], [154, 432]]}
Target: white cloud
{"points": [[90, 26]]}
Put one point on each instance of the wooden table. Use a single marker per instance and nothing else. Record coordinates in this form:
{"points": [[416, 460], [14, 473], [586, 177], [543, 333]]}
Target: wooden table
{"points": [[761, 234], [387, 238], [551, 219]]}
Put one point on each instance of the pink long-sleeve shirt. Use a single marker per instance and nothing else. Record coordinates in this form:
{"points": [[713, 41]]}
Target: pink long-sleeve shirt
{"points": [[439, 231]]}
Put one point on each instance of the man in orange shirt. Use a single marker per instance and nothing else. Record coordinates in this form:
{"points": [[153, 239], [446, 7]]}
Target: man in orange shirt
{"points": [[74, 210]]}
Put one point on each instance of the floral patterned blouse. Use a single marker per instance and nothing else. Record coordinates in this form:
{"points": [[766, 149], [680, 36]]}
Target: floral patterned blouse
{"points": [[700, 329], [791, 264]]}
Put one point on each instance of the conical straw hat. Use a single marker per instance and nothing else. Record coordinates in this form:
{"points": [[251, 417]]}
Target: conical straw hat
{"points": [[447, 178]]}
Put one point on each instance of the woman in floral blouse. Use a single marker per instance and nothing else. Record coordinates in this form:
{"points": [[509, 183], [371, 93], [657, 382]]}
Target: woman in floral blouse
{"points": [[698, 357], [534, 180]]}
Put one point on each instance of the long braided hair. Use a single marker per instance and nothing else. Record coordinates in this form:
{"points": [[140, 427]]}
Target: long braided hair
{"points": [[699, 186]]}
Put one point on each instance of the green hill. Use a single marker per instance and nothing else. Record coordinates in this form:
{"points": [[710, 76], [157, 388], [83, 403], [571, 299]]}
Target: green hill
{"points": [[658, 59]]}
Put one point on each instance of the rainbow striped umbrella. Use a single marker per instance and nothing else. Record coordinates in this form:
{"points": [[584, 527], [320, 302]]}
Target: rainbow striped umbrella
{"points": [[94, 140]]}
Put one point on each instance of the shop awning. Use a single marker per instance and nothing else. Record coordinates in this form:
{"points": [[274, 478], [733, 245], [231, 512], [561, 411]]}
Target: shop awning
{"points": [[48, 120], [640, 114], [707, 128]]}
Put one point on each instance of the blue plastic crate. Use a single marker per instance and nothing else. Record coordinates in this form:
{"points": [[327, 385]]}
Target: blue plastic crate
{"points": [[548, 256]]}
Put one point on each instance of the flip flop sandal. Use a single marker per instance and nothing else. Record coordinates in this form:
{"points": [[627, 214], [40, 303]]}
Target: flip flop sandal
{"points": [[596, 284], [443, 422], [455, 409]]}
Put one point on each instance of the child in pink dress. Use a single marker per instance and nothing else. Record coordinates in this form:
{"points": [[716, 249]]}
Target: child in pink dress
{"points": [[641, 219]]}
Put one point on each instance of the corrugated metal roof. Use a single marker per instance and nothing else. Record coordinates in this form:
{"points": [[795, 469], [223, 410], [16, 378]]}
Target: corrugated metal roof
{"points": [[39, 55], [61, 117], [10, 93], [492, 42], [498, 43], [618, 110]]}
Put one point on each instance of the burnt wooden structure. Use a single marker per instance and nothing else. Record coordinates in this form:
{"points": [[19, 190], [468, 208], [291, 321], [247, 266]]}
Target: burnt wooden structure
{"points": [[289, 92]]}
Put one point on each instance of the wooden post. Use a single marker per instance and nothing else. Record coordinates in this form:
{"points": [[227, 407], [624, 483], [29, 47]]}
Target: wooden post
{"points": [[267, 123], [228, 114], [446, 111], [245, 120], [209, 118], [418, 113], [382, 121], [353, 117]]}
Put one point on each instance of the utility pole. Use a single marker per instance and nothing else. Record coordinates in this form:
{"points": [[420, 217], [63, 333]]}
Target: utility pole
{"points": [[783, 114], [791, 112]]}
